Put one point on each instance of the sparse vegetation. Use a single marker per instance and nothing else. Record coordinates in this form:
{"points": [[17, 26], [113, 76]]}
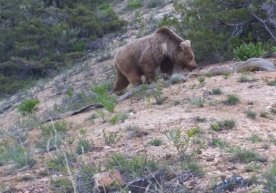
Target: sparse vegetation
{"points": [[271, 178], [245, 156], [231, 100], [254, 138], [223, 125], [271, 82], [216, 91], [193, 131], [264, 114], [201, 79], [216, 142], [61, 185], [244, 79], [134, 4], [111, 138], [199, 119], [156, 142], [58, 161], [52, 135], [251, 114], [179, 141], [158, 94], [83, 146], [191, 164], [103, 98], [132, 166], [17, 155], [28, 106], [155, 3], [119, 117], [197, 102]]}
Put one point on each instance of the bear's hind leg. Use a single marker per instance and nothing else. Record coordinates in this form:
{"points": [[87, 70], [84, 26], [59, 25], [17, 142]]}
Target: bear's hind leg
{"points": [[120, 83]]}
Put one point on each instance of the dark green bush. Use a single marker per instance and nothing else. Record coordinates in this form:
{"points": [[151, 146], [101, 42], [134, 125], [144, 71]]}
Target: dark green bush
{"points": [[246, 51], [134, 4], [217, 27], [40, 39]]}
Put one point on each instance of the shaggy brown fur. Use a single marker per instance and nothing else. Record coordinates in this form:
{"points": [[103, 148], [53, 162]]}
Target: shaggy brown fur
{"points": [[163, 49]]}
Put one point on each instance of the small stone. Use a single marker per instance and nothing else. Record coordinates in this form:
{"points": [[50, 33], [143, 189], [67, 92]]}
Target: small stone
{"points": [[107, 180]]}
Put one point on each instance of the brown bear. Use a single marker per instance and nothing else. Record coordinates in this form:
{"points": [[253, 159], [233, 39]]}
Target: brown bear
{"points": [[163, 48]]}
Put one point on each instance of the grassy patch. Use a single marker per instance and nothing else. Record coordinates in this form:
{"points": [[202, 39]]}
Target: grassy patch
{"points": [[250, 114], [254, 138], [111, 138], [117, 118], [223, 125], [102, 97], [16, 155], [271, 82], [201, 79], [245, 79], [197, 102], [156, 142], [191, 164], [58, 161], [199, 119], [231, 100], [61, 185], [132, 166], [28, 106], [83, 146], [216, 142], [264, 114], [134, 4], [245, 156], [53, 134], [270, 177], [216, 91]]}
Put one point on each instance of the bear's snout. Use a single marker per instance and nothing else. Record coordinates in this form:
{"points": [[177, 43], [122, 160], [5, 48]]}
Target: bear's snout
{"points": [[192, 66]]}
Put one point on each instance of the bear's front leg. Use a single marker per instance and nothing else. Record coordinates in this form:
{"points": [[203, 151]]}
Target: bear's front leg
{"points": [[149, 76]]}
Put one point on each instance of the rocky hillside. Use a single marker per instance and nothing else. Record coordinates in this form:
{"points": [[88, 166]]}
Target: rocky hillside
{"points": [[193, 134]]}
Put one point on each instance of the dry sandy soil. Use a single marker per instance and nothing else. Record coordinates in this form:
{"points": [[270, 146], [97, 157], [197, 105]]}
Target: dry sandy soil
{"points": [[177, 111]]}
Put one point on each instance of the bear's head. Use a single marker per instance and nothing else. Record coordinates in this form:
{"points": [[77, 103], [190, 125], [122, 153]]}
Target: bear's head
{"points": [[185, 56]]}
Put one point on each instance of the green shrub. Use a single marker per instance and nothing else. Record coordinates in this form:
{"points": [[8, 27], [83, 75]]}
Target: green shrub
{"points": [[191, 164], [58, 161], [28, 106], [270, 177], [246, 51], [216, 91], [134, 4], [83, 146], [156, 142], [245, 156], [61, 185], [231, 100], [111, 138], [102, 97], [250, 114], [120, 117], [132, 166], [197, 101], [18, 156], [223, 125], [272, 82], [254, 138], [155, 3]]}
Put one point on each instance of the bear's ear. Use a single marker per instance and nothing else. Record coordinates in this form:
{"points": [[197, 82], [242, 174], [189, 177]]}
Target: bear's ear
{"points": [[185, 44]]}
